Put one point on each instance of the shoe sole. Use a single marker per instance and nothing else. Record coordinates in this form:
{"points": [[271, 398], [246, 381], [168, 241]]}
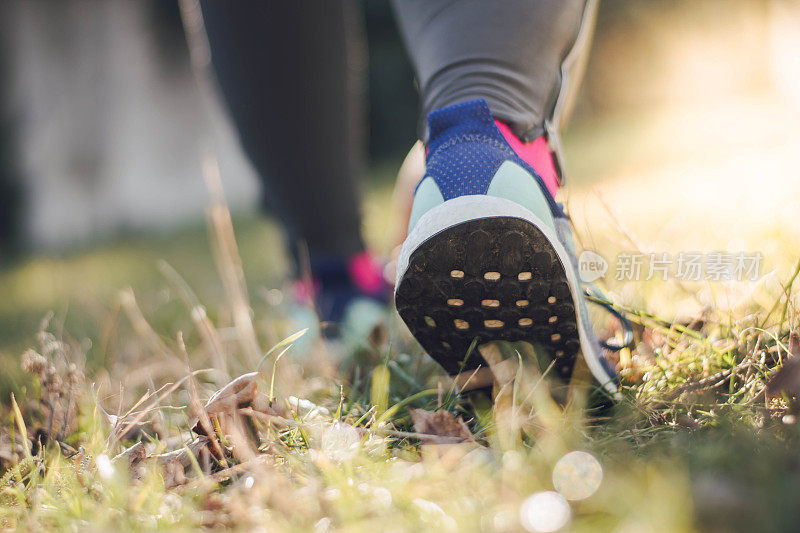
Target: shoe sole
{"points": [[501, 277]]}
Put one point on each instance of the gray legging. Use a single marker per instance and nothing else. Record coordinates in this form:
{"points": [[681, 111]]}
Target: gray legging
{"points": [[290, 73]]}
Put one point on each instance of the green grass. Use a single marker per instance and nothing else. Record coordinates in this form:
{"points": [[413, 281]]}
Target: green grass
{"points": [[81, 288], [694, 445]]}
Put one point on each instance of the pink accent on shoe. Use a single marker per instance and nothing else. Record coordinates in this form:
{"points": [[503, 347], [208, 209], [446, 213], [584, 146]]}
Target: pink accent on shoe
{"points": [[536, 153], [305, 290], [367, 274]]}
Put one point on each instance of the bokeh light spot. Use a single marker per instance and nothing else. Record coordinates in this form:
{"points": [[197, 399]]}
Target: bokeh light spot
{"points": [[577, 475], [544, 512]]}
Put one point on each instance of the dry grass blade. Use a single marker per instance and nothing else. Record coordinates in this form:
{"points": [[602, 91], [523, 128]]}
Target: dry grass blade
{"points": [[229, 264], [142, 327], [208, 333], [23, 430], [124, 425]]}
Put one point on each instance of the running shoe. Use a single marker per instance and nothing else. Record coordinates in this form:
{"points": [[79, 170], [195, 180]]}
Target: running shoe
{"points": [[342, 300], [489, 254]]}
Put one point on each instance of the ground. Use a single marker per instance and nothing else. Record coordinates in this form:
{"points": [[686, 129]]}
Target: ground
{"points": [[704, 438]]}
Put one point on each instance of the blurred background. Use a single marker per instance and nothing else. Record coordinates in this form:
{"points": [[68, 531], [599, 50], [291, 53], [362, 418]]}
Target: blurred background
{"points": [[684, 138]]}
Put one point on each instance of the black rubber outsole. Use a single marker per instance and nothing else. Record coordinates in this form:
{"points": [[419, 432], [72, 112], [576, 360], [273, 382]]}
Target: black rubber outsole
{"points": [[494, 279]]}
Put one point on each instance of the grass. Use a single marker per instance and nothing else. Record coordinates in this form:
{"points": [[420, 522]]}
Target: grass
{"points": [[694, 445], [369, 439]]}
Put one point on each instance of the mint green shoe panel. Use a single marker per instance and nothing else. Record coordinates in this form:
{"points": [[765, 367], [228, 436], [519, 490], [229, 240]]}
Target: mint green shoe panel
{"points": [[426, 198], [302, 317], [364, 323], [514, 183], [361, 319]]}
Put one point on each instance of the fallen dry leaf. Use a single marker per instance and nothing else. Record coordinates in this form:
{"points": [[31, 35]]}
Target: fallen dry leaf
{"points": [[238, 393], [440, 424], [172, 463], [794, 344], [184, 455], [786, 380], [134, 458]]}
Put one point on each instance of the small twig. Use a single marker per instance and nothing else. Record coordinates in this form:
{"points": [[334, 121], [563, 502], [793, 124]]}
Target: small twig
{"points": [[709, 382], [285, 422]]}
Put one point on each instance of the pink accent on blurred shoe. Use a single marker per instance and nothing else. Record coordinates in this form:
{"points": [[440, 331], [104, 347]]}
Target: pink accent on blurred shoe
{"points": [[305, 290], [367, 274], [334, 283]]}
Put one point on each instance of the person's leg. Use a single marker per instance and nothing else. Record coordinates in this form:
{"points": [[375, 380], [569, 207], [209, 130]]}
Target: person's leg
{"points": [[291, 74], [524, 57], [489, 253], [11, 190], [509, 52]]}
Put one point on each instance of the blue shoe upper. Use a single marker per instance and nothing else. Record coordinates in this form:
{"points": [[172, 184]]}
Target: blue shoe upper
{"points": [[466, 149]]}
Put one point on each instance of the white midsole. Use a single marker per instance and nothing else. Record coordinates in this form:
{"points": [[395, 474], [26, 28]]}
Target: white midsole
{"points": [[473, 207]]}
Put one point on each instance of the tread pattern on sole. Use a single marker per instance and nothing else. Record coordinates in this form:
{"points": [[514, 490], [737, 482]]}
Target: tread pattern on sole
{"points": [[497, 279]]}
